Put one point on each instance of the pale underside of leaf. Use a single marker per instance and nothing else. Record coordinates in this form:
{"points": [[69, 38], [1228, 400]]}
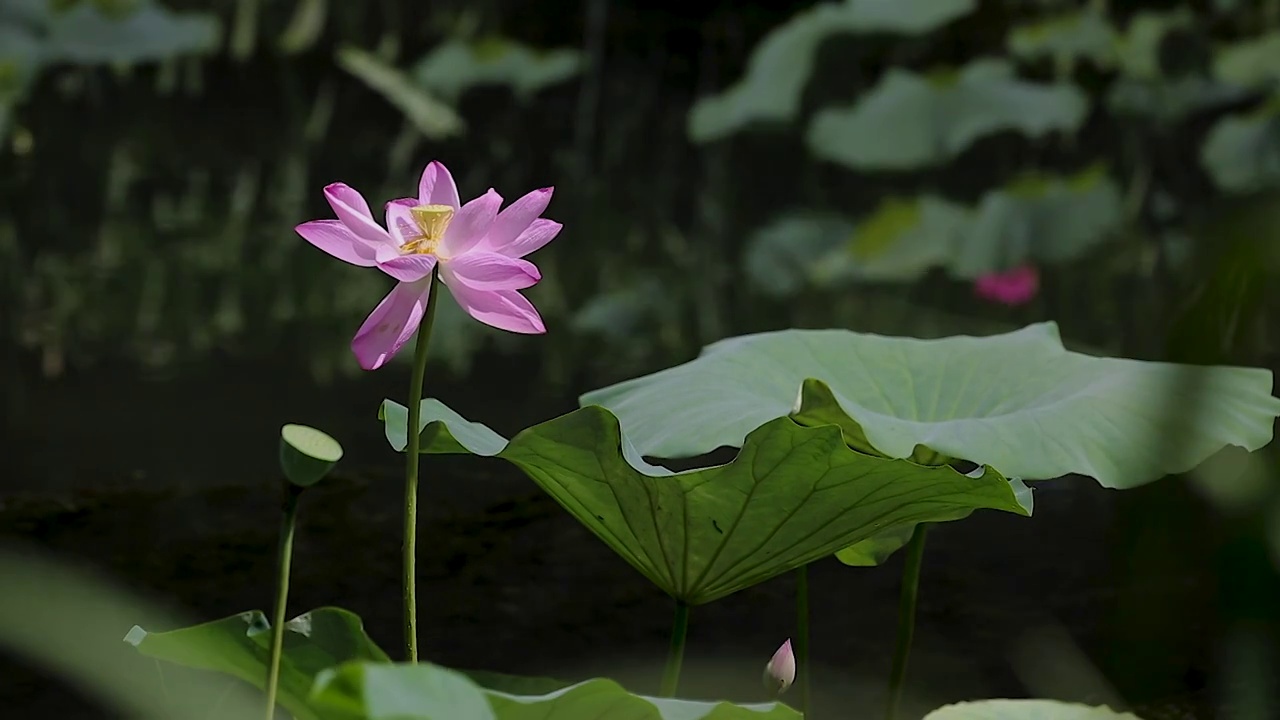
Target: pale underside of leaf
{"points": [[1019, 402]]}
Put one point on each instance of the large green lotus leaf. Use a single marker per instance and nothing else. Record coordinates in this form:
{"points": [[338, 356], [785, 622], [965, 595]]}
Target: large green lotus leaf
{"points": [[361, 691], [239, 646], [1019, 402], [1083, 34], [456, 65], [1242, 152], [377, 691], [1025, 710], [783, 61], [910, 121], [795, 493]]}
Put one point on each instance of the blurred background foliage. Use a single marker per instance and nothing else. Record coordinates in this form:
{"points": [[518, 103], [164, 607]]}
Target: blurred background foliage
{"points": [[720, 171]]}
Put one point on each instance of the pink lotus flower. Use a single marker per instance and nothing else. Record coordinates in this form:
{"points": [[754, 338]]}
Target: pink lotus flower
{"points": [[1013, 287], [477, 249], [780, 672]]}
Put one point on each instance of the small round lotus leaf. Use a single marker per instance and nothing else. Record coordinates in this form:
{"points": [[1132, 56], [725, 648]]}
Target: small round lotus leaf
{"points": [[307, 454]]}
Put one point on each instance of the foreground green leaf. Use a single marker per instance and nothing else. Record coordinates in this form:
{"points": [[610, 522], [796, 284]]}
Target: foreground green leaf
{"points": [[1018, 402], [239, 646], [53, 613], [361, 691], [364, 691], [793, 494], [1025, 710], [910, 121]]}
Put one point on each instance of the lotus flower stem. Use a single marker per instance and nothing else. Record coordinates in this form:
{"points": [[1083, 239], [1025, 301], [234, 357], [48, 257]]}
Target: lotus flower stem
{"points": [[802, 637], [412, 462], [288, 521], [675, 656], [906, 618]]}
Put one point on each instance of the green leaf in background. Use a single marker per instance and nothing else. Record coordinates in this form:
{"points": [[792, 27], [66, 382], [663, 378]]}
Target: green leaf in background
{"points": [[786, 256], [22, 52], [433, 118], [1242, 152], [238, 646], [902, 239], [305, 27], [360, 691], [1042, 219], [1018, 401], [621, 313], [456, 65], [910, 121], [1025, 710], [793, 494], [1083, 34], [1252, 62], [33, 35], [1035, 218], [781, 64], [1139, 49], [1169, 100], [87, 35], [1143, 90], [21, 56]]}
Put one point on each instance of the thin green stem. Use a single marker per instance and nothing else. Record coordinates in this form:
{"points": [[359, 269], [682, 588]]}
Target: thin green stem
{"points": [[675, 656], [288, 521], [412, 462], [906, 619], [802, 638]]}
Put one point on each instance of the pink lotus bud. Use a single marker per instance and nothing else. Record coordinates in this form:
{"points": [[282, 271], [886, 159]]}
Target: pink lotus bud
{"points": [[781, 670]]}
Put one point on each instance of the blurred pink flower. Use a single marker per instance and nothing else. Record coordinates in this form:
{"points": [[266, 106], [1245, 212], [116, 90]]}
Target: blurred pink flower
{"points": [[780, 672], [1012, 287], [477, 248]]}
